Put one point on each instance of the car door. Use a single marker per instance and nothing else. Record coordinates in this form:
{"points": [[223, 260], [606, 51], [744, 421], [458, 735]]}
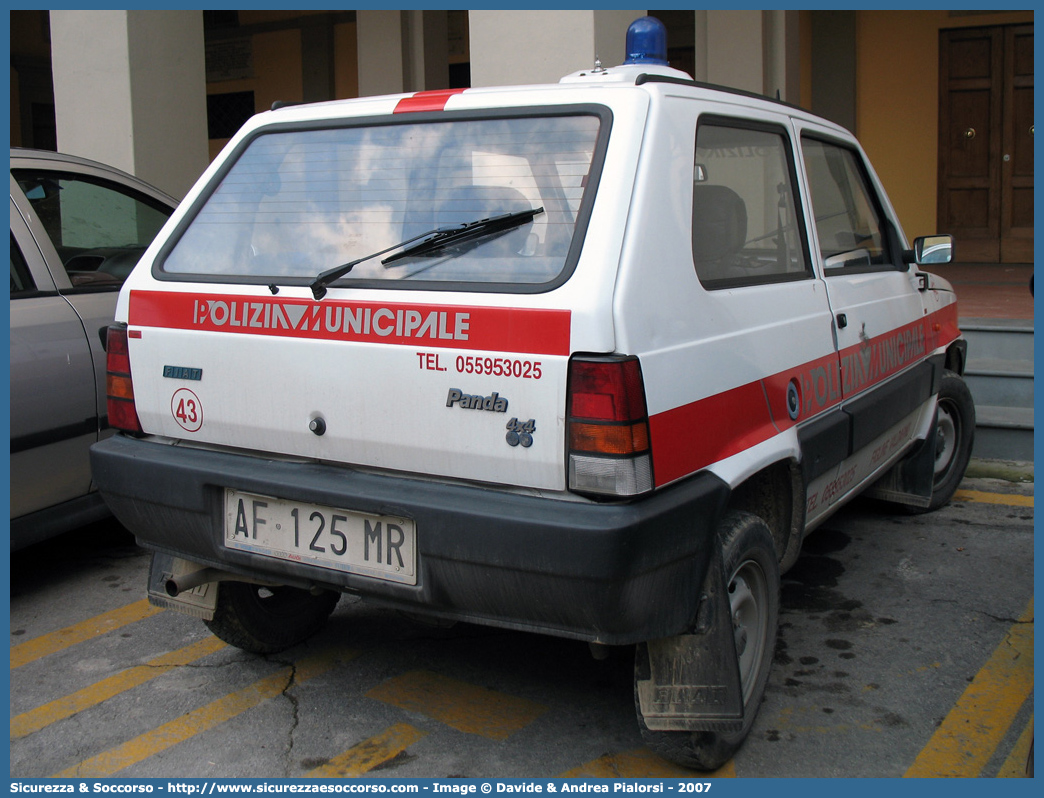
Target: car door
{"points": [[77, 229], [54, 410], [879, 317], [91, 225]]}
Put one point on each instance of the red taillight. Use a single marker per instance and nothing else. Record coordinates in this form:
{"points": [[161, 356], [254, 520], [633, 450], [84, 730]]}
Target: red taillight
{"points": [[606, 390], [608, 427], [119, 387]]}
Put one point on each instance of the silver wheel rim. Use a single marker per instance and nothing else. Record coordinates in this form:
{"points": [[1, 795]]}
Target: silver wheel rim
{"points": [[947, 431], [748, 603]]}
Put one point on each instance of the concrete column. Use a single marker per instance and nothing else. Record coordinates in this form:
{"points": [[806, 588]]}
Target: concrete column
{"points": [[130, 91], [756, 51], [426, 50], [381, 64], [514, 47], [402, 51], [734, 43], [782, 55]]}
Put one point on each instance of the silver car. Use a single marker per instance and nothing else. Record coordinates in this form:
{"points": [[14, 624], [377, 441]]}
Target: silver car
{"points": [[77, 229]]}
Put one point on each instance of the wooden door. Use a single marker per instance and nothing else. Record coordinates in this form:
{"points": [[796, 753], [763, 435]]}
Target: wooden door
{"points": [[1017, 147], [986, 142]]}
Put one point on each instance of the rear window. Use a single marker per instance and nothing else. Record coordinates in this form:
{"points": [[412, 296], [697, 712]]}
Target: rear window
{"points": [[297, 202]]}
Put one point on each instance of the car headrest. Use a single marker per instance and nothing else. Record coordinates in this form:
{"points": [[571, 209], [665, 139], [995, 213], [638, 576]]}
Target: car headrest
{"points": [[719, 222]]}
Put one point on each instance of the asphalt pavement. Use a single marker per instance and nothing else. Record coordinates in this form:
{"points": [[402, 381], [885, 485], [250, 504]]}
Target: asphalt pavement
{"points": [[905, 649]]}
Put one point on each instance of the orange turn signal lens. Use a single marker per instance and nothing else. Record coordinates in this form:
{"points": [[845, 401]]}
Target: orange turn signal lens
{"points": [[119, 387], [609, 438]]}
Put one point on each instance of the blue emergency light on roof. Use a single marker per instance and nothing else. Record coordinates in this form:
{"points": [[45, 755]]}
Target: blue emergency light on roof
{"points": [[646, 42]]}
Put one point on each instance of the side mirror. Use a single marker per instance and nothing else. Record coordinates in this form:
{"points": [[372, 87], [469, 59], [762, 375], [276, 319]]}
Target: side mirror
{"points": [[930, 250]]}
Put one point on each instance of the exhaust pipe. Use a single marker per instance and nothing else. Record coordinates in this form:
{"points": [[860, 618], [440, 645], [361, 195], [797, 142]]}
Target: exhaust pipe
{"points": [[184, 582], [181, 583]]}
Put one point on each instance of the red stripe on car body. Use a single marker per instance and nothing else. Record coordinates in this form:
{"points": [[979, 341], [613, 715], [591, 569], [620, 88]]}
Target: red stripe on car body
{"points": [[695, 435], [521, 330]]}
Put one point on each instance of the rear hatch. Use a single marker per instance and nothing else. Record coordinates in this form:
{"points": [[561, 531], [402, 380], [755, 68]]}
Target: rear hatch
{"points": [[442, 350]]}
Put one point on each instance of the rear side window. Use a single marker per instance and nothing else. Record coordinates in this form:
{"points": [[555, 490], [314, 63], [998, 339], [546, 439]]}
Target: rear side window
{"points": [[849, 226], [746, 223], [99, 228], [299, 202]]}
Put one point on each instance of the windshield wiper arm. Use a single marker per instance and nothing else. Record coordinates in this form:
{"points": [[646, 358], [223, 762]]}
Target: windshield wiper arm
{"points": [[435, 239], [467, 232], [323, 279]]}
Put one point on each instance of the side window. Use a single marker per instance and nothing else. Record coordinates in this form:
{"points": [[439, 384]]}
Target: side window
{"points": [[98, 228], [746, 222], [21, 280], [849, 228]]}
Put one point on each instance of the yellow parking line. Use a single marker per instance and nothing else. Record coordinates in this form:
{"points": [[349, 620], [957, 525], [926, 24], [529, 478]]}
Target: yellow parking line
{"points": [[642, 764], [971, 732], [1014, 766], [199, 720], [982, 497], [99, 625], [61, 708], [465, 707], [368, 754]]}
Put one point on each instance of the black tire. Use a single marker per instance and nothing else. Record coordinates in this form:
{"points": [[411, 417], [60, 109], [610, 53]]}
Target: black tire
{"points": [[264, 620], [952, 437], [752, 571]]}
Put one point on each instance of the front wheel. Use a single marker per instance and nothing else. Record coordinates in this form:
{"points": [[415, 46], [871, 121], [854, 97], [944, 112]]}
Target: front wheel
{"points": [[752, 570], [952, 437], [264, 620]]}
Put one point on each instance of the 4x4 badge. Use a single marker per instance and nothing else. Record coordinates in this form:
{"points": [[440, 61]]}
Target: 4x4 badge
{"points": [[521, 432]]}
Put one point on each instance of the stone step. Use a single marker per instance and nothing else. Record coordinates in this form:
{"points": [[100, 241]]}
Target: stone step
{"points": [[1003, 433], [999, 374], [998, 339], [1002, 383]]}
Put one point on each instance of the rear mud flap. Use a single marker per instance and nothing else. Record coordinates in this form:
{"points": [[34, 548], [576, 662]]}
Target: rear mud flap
{"points": [[691, 682], [199, 602]]}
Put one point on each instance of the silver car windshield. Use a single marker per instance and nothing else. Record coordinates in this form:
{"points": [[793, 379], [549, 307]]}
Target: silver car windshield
{"points": [[298, 202]]}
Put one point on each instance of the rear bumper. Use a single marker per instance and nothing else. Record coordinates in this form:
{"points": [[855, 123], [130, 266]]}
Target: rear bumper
{"points": [[608, 573]]}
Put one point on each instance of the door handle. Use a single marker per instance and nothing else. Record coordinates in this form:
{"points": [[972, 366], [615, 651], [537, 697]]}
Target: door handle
{"points": [[842, 321], [969, 133]]}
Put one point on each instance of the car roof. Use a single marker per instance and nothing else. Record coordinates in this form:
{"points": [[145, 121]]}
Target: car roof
{"points": [[86, 164]]}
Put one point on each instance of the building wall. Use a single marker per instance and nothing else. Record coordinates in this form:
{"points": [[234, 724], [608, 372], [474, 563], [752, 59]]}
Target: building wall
{"points": [[346, 61], [895, 83], [30, 51], [277, 64], [897, 102], [277, 74], [16, 111]]}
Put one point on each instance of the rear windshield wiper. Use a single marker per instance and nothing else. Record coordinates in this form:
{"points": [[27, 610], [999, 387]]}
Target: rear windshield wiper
{"points": [[434, 240], [323, 279], [467, 232]]}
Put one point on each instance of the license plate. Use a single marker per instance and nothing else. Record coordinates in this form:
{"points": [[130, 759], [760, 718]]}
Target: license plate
{"points": [[383, 547]]}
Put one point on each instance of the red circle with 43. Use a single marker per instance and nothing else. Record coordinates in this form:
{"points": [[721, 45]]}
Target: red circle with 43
{"points": [[187, 410]]}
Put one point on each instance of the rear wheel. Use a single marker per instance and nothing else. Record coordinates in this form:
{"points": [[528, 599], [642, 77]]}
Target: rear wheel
{"points": [[264, 620], [752, 571]]}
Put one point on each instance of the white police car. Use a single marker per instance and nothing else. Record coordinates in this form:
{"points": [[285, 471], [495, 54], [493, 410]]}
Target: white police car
{"points": [[587, 359]]}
